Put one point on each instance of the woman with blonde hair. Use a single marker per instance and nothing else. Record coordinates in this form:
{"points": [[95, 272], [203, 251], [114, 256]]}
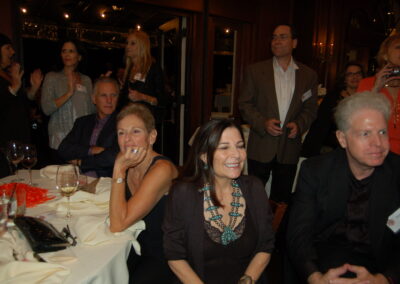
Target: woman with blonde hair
{"points": [[143, 79], [387, 81], [141, 180]]}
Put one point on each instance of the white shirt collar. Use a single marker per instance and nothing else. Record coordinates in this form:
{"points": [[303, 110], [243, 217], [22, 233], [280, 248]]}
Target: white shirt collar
{"points": [[292, 64]]}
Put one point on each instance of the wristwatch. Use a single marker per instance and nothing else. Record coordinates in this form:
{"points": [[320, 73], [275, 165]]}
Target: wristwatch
{"points": [[119, 180]]}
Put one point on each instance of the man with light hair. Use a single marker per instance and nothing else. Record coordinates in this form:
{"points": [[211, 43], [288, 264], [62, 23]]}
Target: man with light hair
{"points": [[92, 143], [338, 219]]}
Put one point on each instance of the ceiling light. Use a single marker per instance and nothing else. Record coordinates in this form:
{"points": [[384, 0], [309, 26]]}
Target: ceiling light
{"points": [[227, 30], [138, 27], [66, 15], [24, 10], [103, 15], [116, 8]]}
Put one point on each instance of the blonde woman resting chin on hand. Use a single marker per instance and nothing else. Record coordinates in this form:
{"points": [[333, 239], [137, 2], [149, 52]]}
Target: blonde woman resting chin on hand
{"points": [[141, 180]]}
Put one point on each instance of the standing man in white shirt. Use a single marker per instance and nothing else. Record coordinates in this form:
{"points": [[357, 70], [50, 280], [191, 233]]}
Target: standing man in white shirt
{"points": [[279, 100]]}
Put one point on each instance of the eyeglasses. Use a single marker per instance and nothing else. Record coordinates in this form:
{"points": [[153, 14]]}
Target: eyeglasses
{"points": [[281, 37], [348, 74]]}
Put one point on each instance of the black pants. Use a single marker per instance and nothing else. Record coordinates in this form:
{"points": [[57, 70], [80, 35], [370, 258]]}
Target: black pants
{"points": [[148, 270], [282, 177]]}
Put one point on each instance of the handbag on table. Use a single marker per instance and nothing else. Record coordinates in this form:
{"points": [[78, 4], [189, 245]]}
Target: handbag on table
{"points": [[41, 235]]}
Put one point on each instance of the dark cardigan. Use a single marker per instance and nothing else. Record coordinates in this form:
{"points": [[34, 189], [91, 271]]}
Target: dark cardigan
{"points": [[184, 221]]}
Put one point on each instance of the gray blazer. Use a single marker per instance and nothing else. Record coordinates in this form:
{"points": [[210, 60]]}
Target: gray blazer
{"points": [[258, 102]]}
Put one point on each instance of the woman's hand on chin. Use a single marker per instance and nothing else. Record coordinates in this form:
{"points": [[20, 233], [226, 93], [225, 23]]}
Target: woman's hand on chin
{"points": [[132, 157]]}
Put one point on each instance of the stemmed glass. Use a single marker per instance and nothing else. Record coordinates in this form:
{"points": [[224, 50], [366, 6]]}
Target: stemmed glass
{"points": [[3, 212], [14, 156], [29, 160], [67, 182]]}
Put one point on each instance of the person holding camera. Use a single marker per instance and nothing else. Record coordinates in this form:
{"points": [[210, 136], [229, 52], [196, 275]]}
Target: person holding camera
{"points": [[387, 81]]}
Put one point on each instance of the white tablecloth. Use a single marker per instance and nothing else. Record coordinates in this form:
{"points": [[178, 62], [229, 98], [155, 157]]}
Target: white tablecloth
{"points": [[103, 263]]}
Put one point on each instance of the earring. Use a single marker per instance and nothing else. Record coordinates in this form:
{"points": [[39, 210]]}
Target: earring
{"points": [[205, 166]]}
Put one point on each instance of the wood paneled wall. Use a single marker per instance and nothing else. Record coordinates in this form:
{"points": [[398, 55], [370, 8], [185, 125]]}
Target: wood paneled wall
{"points": [[318, 22]]}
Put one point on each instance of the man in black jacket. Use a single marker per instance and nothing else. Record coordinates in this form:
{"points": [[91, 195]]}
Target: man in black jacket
{"points": [[338, 219], [92, 143]]}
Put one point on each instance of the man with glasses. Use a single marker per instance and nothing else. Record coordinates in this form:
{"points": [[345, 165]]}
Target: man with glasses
{"points": [[279, 100]]}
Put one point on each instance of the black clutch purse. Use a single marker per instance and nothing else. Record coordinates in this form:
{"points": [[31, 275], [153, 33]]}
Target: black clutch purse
{"points": [[41, 235]]}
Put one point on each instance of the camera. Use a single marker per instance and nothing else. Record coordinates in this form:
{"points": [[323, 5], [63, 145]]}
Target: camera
{"points": [[395, 72]]}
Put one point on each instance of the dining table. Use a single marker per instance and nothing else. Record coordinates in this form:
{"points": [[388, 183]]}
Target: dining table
{"points": [[99, 255]]}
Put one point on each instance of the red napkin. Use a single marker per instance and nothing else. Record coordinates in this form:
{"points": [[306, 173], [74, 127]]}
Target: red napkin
{"points": [[34, 195]]}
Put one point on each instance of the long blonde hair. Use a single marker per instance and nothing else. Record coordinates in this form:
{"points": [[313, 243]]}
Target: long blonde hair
{"points": [[144, 59], [382, 56]]}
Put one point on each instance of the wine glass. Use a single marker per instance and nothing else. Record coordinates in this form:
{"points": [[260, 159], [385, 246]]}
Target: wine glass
{"points": [[30, 159], [67, 182], [3, 212], [14, 156]]}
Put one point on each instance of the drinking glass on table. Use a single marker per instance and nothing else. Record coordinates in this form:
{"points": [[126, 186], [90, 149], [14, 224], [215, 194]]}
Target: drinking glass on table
{"points": [[3, 212], [14, 156], [67, 182], [30, 159]]}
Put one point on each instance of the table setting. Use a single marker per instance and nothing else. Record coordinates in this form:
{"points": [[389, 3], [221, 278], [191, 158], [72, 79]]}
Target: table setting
{"points": [[79, 214]]}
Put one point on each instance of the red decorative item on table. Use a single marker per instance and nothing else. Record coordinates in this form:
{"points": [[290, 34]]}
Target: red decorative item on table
{"points": [[34, 195]]}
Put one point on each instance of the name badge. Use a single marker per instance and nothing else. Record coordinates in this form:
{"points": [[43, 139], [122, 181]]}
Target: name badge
{"points": [[306, 96], [139, 77], [394, 221], [81, 88]]}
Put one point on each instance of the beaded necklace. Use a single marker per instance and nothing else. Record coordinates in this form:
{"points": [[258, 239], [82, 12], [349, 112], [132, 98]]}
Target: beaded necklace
{"points": [[228, 235]]}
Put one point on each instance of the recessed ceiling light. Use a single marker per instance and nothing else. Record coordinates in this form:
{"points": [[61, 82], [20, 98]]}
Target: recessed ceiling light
{"points": [[116, 8]]}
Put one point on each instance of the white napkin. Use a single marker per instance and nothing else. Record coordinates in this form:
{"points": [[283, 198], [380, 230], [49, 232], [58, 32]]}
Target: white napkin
{"points": [[26, 269], [20, 272], [83, 202], [64, 256], [94, 230], [49, 172], [13, 242]]}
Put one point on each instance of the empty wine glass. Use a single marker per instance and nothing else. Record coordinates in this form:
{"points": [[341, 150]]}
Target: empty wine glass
{"points": [[14, 156], [67, 183], [29, 160]]}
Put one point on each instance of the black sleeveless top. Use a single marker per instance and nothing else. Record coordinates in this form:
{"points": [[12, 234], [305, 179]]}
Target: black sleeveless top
{"points": [[151, 238]]}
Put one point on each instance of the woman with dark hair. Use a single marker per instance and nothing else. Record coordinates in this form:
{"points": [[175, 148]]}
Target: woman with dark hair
{"points": [[14, 110], [322, 134], [141, 180], [217, 226], [66, 95], [387, 82]]}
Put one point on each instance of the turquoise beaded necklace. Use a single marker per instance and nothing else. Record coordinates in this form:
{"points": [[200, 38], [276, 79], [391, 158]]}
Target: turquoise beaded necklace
{"points": [[228, 235]]}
